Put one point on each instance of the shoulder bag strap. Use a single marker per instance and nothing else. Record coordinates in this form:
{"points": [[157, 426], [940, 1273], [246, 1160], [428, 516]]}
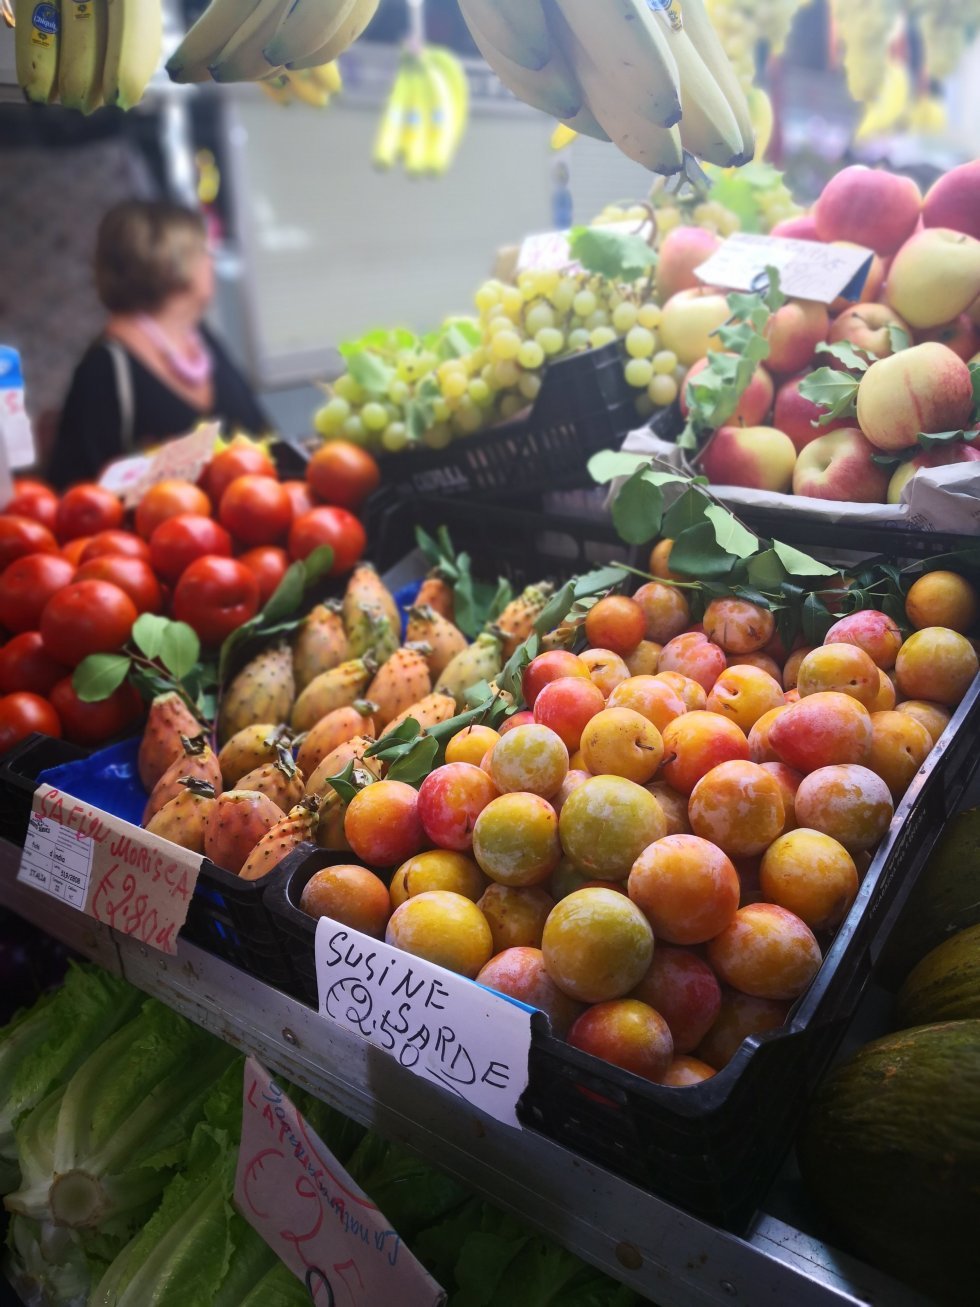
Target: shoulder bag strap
{"points": [[124, 391]]}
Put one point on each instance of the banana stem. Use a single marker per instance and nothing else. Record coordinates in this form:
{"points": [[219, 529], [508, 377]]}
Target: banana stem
{"points": [[416, 26]]}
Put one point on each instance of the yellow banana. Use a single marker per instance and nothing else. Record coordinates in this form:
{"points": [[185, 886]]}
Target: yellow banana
{"points": [[306, 89], [134, 42], [517, 28], [418, 118], [242, 59], [36, 39], [84, 30], [277, 87], [890, 105], [705, 40], [708, 126], [308, 24], [563, 136], [206, 39], [445, 121], [459, 84], [552, 88], [346, 33], [327, 77], [391, 134], [763, 119]]}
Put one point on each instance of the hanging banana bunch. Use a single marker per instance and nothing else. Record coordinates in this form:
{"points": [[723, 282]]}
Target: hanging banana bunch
{"points": [[313, 86]]}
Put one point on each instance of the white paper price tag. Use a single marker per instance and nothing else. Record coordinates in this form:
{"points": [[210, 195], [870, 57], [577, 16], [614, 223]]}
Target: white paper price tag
{"points": [[807, 269], [16, 435], [438, 1025], [185, 459], [296, 1195]]}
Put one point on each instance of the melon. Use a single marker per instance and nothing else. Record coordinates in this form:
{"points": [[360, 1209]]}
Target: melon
{"points": [[945, 986]]}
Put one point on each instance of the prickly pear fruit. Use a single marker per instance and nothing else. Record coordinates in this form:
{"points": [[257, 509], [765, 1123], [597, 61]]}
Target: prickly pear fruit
{"points": [[365, 589], [431, 711], [338, 726], [330, 830], [235, 825], [436, 593], [517, 620], [426, 626], [338, 688], [297, 826], [372, 634], [320, 645], [263, 691], [403, 680], [480, 661], [249, 748], [197, 760], [182, 819], [333, 764], [282, 781], [168, 719]]}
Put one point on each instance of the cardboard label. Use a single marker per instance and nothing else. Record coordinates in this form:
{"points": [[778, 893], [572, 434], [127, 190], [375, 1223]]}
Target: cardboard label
{"points": [[807, 269], [16, 435], [550, 251], [438, 1025], [296, 1195], [185, 459], [135, 882]]}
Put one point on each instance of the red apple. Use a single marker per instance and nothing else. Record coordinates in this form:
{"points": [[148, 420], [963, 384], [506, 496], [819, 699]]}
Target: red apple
{"points": [[753, 407], [683, 250], [942, 456], [954, 200], [960, 335], [795, 415], [866, 326], [760, 458], [922, 389], [803, 228], [794, 332], [841, 466], [869, 207]]}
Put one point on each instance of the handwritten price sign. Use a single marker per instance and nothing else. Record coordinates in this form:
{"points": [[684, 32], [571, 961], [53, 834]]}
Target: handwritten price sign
{"points": [[296, 1195], [436, 1024], [807, 270], [128, 879]]}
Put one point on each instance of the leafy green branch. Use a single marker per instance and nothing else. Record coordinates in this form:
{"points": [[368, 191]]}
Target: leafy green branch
{"points": [[161, 656], [476, 604]]}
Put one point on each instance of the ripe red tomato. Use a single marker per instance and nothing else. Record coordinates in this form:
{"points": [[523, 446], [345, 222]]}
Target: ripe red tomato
{"points": [[256, 510], [134, 576], [85, 509], [26, 665], [22, 535], [268, 563], [74, 549], [84, 618], [34, 499], [215, 596], [342, 473], [167, 499], [242, 458], [22, 714], [94, 723], [176, 543], [329, 526], [299, 494], [116, 544], [27, 585]]}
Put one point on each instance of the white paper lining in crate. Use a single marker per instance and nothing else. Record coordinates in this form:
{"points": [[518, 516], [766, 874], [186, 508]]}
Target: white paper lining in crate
{"points": [[936, 499]]}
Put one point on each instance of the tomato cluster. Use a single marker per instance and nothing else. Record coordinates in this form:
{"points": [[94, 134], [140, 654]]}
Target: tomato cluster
{"points": [[76, 570]]}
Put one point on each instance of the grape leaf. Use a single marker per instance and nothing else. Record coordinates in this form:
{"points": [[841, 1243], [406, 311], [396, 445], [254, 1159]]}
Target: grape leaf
{"points": [[798, 563], [98, 675], [619, 256], [834, 392], [733, 537]]}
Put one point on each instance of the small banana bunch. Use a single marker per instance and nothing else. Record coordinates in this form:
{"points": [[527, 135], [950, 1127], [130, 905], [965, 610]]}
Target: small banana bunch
{"points": [[86, 53], [253, 40], [426, 114], [314, 86], [650, 76]]}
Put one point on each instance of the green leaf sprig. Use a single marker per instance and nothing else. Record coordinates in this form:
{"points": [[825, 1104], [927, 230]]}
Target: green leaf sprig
{"points": [[161, 656], [476, 604]]}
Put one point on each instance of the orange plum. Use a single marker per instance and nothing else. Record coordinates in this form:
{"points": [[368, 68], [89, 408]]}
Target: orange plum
{"points": [[645, 659], [694, 656], [789, 782], [812, 875], [850, 803], [743, 694], [942, 599], [821, 730], [686, 887], [876, 633], [695, 743], [899, 747], [597, 945], [686, 1071], [620, 742], [627, 1033], [606, 823], [685, 991], [933, 716], [606, 669], [737, 626], [673, 806], [936, 664], [665, 609], [766, 952], [651, 698], [840, 667], [741, 1015], [760, 750], [694, 696], [520, 973], [739, 807], [443, 928], [515, 915]]}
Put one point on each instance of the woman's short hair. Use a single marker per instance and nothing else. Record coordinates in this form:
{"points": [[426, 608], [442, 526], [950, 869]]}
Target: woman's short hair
{"points": [[145, 252]]}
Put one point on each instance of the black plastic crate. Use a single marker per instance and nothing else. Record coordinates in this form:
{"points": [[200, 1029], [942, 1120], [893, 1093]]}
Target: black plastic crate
{"points": [[584, 405]]}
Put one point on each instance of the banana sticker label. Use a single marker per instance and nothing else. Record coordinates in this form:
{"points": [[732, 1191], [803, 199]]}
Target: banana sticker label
{"points": [[44, 25], [82, 8], [670, 10]]}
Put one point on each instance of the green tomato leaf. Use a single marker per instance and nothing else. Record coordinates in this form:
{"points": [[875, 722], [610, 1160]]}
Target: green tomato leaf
{"points": [[619, 256], [180, 649], [798, 563], [731, 535], [696, 552], [834, 392], [637, 510], [96, 676], [147, 634]]}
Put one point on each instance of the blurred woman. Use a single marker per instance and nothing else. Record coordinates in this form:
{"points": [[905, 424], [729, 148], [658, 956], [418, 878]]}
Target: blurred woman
{"points": [[156, 371]]}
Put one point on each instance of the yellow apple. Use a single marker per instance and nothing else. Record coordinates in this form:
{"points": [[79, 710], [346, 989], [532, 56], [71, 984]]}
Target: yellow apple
{"points": [[934, 277], [760, 458], [922, 389], [687, 323]]}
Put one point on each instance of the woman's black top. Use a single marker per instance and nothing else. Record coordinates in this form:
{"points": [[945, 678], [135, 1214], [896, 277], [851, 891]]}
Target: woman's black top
{"points": [[90, 429]]}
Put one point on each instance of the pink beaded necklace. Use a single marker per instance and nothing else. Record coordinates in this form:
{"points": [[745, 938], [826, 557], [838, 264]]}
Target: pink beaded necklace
{"points": [[194, 367]]}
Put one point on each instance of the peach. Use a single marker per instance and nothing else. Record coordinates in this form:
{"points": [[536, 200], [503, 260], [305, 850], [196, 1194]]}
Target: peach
{"points": [[739, 807], [925, 388], [954, 200], [606, 669], [763, 661], [438, 869], [686, 888], [793, 333], [754, 403], [685, 991], [791, 670], [795, 416], [841, 667], [737, 626], [760, 750], [443, 928], [934, 277], [899, 747], [869, 207], [694, 656], [756, 457], [869, 327], [743, 694], [851, 804], [811, 875], [876, 633], [741, 1015], [520, 973], [952, 451], [515, 839], [933, 716], [841, 466], [627, 1033], [515, 915], [673, 806], [697, 742], [695, 697], [620, 742], [659, 564], [766, 952], [349, 894], [936, 664], [666, 610], [688, 323], [650, 697], [681, 252], [607, 823], [821, 730], [789, 782], [886, 696], [960, 336], [597, 945], [645, 659], [942, 599], [686, 1071]]}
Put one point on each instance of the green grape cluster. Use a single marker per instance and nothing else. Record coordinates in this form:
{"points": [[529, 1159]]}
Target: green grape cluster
{"points": [[775, 204], [865, 30], [713, 215], [947, 30], [742, 24]]}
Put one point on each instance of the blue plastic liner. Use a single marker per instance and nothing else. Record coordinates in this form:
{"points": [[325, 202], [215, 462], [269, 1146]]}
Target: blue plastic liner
{"points": [[107, 779]]}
